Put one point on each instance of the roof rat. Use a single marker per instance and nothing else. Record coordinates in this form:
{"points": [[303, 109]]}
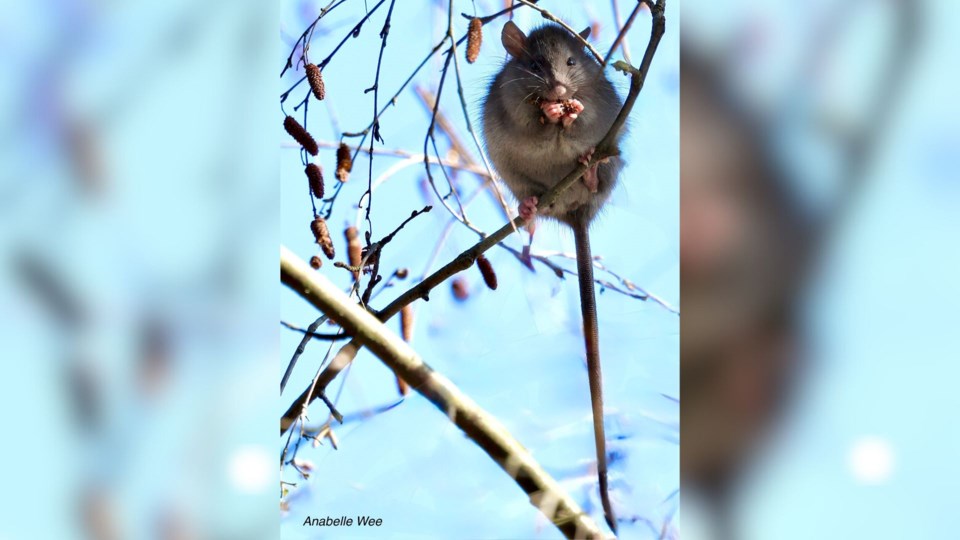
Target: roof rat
{"points": [[545, 111]]}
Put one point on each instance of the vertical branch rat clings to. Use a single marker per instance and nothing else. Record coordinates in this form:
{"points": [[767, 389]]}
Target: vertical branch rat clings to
{"points": [[546, 110]]}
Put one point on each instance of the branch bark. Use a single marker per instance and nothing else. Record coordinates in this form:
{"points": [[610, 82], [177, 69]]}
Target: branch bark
{"points": [[483, 428]]}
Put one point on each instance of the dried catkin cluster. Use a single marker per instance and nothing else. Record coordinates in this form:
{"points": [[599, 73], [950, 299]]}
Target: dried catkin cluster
{"points": [[486, 269], [322, 235], [315, 78], [474, 38], [315, 175], [300, 135], [344, 162]]}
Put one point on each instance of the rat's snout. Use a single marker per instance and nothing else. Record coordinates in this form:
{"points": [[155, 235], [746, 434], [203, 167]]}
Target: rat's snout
{"points": [[557, 92]]}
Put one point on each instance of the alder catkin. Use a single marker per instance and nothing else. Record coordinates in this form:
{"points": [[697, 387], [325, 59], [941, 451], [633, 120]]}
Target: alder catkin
{"points": [[300, 135], [316, 262], [322, 235], [406, 331], [315, 78], [406, 323], [460, 290], [486, 269], [474, 38], [315, 175], [354, 251], [344, 162]]}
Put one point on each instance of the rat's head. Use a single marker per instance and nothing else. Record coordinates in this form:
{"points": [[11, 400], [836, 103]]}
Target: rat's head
{"points": [[548, 65]]}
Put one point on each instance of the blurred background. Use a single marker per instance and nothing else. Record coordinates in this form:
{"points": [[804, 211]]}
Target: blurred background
{"points": [[138, 200], [818, 232], [516, 350], [138, 241]]}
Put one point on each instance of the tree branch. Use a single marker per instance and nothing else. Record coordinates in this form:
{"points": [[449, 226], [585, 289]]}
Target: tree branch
{"points": [[483, 428]]}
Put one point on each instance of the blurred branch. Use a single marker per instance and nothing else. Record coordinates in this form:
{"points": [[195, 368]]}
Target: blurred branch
{"points": [[465, 165], [622, 33], [551, 17], [624, 44], [481, 427]]}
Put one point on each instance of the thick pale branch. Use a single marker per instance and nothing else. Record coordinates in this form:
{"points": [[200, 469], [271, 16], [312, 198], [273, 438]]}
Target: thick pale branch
{"points": [[484, 429]]}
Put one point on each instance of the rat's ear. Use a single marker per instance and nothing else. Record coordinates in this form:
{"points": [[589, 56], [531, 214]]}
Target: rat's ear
{"points": [[585, 33], [514, 40]]}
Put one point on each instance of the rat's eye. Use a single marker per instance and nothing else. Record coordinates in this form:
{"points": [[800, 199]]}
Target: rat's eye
{"points": [[535, 66], [571, 61]]}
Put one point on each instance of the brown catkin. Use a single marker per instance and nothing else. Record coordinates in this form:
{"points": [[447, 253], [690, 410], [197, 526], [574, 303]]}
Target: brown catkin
{"points": [[322, 235], [300, 135], [489, 276], [406, 323], [474, 38], [315, 175], [460, 290], [315, 78], [406, 331], [344, 162], [354, 251], [316, 262]]}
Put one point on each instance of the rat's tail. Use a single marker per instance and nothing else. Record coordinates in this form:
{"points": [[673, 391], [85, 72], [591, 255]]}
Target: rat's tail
{"points": [[588, 305]]}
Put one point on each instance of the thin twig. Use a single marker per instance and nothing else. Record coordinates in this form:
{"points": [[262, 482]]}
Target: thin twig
{"points": [[323, 63]]}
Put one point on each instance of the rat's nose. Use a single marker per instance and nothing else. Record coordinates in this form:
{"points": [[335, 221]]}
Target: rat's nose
{"points": [[557, 92]]}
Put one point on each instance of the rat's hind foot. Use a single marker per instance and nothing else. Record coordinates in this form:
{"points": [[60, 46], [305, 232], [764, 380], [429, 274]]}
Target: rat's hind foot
{"points": [[528, 208], [590, 178]]}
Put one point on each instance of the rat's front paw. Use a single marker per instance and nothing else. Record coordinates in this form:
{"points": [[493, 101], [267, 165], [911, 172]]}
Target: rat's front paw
{"points": [[571, 110], [552, 110], [528, 208]]}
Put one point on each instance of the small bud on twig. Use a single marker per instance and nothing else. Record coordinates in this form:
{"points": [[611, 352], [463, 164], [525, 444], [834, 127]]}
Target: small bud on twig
{"points": [[344, 163], [315, 78], [300, 135], [474, 38], [316, 262], [402, 273], [486, 269], [322, 235], [315, 175]]}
